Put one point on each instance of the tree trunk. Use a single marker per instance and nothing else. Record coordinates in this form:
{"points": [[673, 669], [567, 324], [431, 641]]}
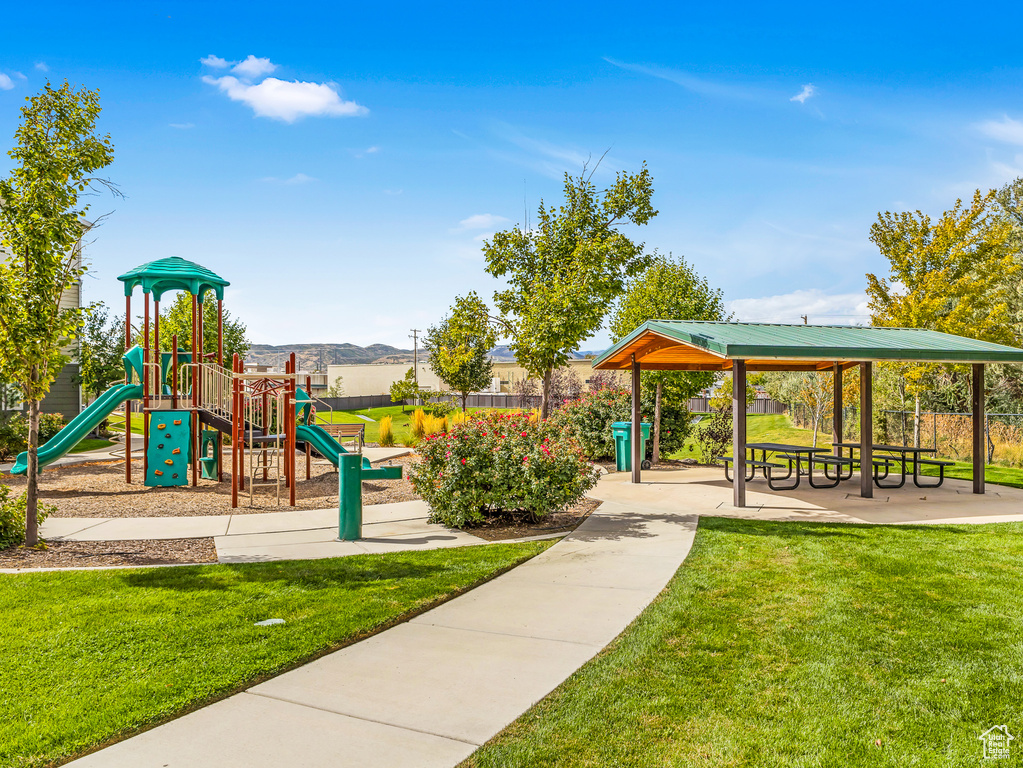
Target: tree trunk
{"points": [[916, 423], [545, 396], [32, 493], [657, 424], [465, 396]]}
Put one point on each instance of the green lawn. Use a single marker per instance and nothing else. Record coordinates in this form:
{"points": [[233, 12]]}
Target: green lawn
{"points": [[801, 644], [399, 420], [778, 429], [90, 444], [88, 656]]}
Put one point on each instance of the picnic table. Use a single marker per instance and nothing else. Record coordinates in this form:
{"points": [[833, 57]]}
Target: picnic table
{"points": [[794, 455], [898, 455]]}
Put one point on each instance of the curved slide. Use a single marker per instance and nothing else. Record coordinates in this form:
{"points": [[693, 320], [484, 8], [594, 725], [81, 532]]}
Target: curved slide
{"points": [[330, 449], [80, 426]]}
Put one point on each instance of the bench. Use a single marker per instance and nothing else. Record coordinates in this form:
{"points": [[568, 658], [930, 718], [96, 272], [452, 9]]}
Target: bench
{"points": [[354, 432], [939, 463], [753, 465]]}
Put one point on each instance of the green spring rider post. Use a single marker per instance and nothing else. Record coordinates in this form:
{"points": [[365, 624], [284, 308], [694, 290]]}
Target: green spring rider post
{"points": [[349, 472]]}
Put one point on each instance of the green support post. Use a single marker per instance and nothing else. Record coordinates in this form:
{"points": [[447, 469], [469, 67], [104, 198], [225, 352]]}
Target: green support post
{"points": [[349, 471]]}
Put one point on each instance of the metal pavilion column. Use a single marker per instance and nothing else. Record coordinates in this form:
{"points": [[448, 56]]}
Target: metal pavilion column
{"points": [[637, 439], [978, 428], [866, 430], [739, 433]]}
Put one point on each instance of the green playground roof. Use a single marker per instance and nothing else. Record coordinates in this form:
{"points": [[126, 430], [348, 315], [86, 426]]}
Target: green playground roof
{"points": [[173, 274], [712, 346]]}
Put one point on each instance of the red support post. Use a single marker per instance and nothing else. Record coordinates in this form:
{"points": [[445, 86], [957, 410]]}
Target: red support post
{"points": [[220, 332], [127, 403], [234, 433], [292, 386], [174, 372], [145, 387]]}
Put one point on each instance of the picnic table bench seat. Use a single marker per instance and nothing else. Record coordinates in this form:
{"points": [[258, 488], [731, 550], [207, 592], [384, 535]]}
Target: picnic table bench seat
{"points": [[939, 463], [753, 465]]}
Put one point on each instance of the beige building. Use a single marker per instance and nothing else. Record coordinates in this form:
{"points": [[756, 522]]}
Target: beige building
{"points": [[376, 379]]}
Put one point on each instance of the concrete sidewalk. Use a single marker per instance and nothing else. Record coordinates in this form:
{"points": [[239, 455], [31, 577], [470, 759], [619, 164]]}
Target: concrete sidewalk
{"points": [[429, 691]]}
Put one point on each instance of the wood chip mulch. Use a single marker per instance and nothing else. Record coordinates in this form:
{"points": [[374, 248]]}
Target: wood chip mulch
{"points": [[92, 554], [510, 527], [97, 489]]}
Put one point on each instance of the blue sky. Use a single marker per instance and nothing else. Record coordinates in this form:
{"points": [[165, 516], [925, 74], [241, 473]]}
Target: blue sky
{"points": [[340, 163]]}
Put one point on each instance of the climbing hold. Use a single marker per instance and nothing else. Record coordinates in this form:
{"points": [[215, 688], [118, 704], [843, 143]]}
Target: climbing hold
{"points": [[161, 426], [177, 422], [175, 475], [158, 472], [169, 461], [168, 435], [176, 451], [160, 447]]}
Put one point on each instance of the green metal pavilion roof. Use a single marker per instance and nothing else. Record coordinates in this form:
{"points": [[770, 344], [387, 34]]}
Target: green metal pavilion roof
{"points": [[699, 345], [173, 274]]}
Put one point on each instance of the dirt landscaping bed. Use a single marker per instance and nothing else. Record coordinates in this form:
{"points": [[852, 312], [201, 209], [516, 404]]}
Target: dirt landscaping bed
{"points": [[94, 554], [97, 489]]}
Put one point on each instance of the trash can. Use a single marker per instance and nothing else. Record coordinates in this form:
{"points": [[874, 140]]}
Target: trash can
{"points": [[622, 432]]}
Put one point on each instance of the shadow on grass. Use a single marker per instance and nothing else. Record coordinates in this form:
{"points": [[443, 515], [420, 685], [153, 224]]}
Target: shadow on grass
{"points": [[307, 575], [819, 529]]}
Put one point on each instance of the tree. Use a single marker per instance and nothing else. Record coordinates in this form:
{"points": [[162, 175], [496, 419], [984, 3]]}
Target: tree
{"points": [[102, 346], [56, 151], [953, 275], [814, 390], [667, 289], [177, 319], [404, 390], [564, 273], [459, 347], [337, 388]]}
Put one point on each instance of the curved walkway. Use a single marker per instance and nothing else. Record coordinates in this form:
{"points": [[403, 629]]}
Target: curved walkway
{"points": [[429, 691]]}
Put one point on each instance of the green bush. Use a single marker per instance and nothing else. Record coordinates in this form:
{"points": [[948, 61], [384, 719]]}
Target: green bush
{"points": [[714, 435], [500, 463], [11, 442], [588, 420], [12, 517]]}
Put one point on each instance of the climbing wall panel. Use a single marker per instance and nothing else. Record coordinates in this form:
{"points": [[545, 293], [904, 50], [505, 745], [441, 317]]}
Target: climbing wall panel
{"points": [[167, 454]]}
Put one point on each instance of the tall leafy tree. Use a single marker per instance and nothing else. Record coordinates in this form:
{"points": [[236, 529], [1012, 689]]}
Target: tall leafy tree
{"points": [[951, 275], [101, 345], [668, 289], [459, 346], [563, 274], [177, 319], [56, 152]]}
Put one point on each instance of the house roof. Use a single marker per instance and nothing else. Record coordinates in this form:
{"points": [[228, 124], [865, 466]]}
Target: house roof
{"points": [[173, 274], [686, 345]]}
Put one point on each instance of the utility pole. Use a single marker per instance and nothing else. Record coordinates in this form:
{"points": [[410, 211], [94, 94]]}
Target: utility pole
{"points": [[415, 354], [805, 319]]}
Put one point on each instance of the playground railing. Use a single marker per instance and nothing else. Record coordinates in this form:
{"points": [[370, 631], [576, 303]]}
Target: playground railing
{"points": [[216, 391]]}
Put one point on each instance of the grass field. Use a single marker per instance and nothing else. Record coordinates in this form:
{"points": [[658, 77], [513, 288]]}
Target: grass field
{"points": [[90, 444], [801, 644], [778, 429], [90, 655]]}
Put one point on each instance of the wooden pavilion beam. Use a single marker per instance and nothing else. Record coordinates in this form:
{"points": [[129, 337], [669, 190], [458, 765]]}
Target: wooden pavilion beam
{"points": [[866, 431], [739, 433], [836, 408], [637, 457], [978, 428]]}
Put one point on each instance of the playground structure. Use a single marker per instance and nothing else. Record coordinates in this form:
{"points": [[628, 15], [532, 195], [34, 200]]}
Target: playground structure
{"points": [[190, 401]]}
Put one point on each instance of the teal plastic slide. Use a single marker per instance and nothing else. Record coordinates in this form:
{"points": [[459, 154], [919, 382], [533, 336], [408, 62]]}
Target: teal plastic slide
{"points": [[80, 426], [330, 449]]}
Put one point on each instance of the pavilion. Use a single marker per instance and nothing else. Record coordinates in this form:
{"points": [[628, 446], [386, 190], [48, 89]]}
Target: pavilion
{"points": [[683, 345]]}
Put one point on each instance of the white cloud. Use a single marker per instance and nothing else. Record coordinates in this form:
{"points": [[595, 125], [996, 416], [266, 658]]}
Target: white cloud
{"points": [[287, 101], [690, 82], [216, 62], [480, 221], [42, 66], [809, 90], [182, 126], [5, 82], [253, 69], [298, 178], [819, 307], [368, 151], [20, 76], [1007, 130]]}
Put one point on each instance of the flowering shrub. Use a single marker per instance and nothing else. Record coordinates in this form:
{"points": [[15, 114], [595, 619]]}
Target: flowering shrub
{"points": [[588, 420], [500, 463], [12, 517]]}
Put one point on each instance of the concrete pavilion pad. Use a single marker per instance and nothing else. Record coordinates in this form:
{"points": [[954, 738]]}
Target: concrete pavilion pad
{"points": [[704, 491], [427, 692]]}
